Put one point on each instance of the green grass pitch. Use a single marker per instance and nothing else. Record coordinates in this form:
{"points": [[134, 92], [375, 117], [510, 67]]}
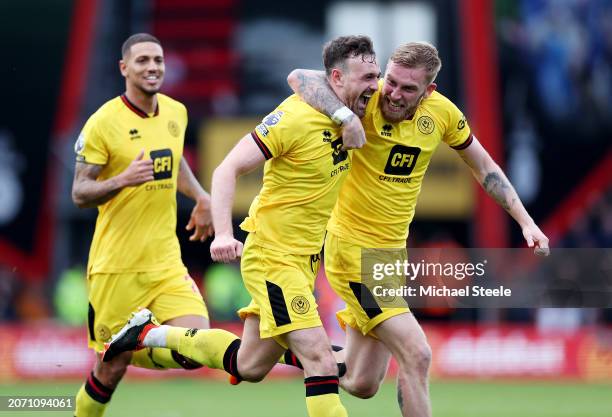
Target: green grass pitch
{"points": [[284, 398]]}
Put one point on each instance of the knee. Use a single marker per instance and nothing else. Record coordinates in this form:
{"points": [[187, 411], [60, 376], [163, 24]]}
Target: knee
{"points": [[320, 363], [417, 359], [362, 387]]}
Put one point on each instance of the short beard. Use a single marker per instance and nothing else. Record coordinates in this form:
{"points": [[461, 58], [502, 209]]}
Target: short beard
{"points": [[148, 93], [408, 114]]}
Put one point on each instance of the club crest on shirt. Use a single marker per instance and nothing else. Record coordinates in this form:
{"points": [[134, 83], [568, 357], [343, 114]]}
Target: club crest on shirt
{"points": [[426, 125], [173, 128]]}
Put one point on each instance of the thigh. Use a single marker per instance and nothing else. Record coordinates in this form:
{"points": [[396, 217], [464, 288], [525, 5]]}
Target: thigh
{"points": [[281, 286], [191, 321], [343, 271], [401, 334], [112, 298], [177, 295]]}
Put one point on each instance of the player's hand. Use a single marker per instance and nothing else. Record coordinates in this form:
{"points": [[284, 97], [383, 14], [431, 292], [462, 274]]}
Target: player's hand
{"points": [[536, 239], [201, 220], [353, 135], [224, 248], [138, 172]]}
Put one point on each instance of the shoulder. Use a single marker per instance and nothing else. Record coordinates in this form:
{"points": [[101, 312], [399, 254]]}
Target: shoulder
{"points": [[438, 103], [170, 103], [105, 113]]}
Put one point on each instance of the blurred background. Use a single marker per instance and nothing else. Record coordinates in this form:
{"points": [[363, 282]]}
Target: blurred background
{"points": [[533, 77]]}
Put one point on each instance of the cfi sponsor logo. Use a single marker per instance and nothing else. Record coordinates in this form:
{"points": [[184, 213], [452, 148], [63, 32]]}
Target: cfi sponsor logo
{"points": [[162, 163], [300, 304]]}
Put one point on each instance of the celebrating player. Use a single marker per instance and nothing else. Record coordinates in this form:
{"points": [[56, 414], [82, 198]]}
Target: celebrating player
{"points": [[405, 121], [305, 166], [129, 165]]}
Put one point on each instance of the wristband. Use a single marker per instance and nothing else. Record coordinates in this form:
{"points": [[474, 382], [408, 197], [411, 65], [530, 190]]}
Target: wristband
{"points": [[341, 115]]}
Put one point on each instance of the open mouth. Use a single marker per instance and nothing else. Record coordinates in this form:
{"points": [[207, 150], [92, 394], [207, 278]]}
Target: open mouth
{"points": [[365, 98], [395, 106]]}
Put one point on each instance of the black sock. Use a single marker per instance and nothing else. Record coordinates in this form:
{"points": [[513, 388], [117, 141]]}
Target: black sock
{"points": [[96, 390], [230, 359]]}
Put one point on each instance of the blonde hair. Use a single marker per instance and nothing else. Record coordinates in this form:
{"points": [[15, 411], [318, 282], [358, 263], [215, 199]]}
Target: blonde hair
{"points": [[418, 55]]}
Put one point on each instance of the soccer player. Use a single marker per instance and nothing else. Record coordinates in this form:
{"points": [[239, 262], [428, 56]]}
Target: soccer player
{"points": [[405, 121], [129, 164], [305, 166]]}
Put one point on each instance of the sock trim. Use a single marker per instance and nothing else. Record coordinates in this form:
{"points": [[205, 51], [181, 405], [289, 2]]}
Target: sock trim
{"points": [[230, 359], [292, 360], [321, 385], [96, 390]]}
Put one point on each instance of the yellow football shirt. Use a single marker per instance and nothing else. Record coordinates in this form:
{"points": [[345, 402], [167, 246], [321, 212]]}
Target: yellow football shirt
{"points": [[136, 229], [302, 177], [378, 199]]}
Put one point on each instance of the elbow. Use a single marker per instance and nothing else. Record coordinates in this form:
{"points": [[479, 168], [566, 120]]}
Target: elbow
{"points": [[78, 200], [292, 79], [224, 173]]}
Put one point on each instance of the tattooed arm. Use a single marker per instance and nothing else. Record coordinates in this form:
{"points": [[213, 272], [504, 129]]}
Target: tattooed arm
{"points": [[313, 88], [87, 191], [496, 184]]}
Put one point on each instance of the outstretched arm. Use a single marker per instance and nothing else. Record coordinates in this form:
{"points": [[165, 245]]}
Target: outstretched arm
{"points": [[496, 184], [87, 191], [313, 88], [245, 157], [200, 218]]}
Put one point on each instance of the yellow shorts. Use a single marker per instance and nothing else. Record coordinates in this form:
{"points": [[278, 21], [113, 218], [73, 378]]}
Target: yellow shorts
{"points": [[281, 286], [343, 271], [113, 297]]}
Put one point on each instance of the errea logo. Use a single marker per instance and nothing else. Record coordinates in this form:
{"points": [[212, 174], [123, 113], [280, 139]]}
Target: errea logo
{"points": [[134, 134], [386, 130], [327, 136]]}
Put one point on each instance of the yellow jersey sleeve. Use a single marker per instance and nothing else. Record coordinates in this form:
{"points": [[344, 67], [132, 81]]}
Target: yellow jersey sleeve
{"points": [[457, 134], [90, 146], [276, 134]]}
